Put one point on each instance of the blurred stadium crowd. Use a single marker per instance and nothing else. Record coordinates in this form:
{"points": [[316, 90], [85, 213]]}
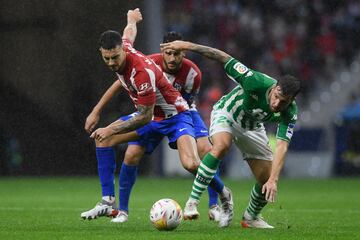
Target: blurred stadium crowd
{"points": [[315, 40], [309, 39]]}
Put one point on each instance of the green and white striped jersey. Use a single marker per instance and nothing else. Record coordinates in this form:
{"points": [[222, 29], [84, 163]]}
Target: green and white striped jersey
{"points": [[248, 103]]}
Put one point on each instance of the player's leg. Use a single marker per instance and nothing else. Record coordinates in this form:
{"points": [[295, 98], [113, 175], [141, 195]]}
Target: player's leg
{"points": [[106, 168], [257, 153], [221, 136], [127, 178], [252, 217], [188, 154], [204, 146], [105, 155], [206, 175], [180, 132], [148, 140], [220, 132], [190, 160]]}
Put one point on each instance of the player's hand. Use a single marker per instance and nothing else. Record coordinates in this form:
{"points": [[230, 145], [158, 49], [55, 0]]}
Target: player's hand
{"points": [[177, 45], [91, 121], [134, 16], [101, 134], [270, 190]]}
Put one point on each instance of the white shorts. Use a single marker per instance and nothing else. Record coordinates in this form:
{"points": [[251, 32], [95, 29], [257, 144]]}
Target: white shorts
{"points": [[253, 144]]}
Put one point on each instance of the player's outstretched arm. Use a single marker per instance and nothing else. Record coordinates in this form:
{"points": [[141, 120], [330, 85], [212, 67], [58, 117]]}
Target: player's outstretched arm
{"points": [[130, 31], [145, 115], [270, 187], [94, 117], [209, 52]]}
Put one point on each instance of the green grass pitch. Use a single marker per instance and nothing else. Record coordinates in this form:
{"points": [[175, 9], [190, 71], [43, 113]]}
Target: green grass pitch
{"points": [[49, 208]]}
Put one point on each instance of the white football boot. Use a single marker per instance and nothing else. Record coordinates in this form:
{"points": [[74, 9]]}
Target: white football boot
{"points": [[190, 210], [121, 217], [249, 221], [214, 213], [227, 207], [101, 209]]}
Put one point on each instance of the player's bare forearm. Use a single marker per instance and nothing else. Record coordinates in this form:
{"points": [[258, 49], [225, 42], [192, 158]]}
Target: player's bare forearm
{"points": [[206, 51], [108, 95], [212, 53], [145, 115], [130, 31], [279, 159]]}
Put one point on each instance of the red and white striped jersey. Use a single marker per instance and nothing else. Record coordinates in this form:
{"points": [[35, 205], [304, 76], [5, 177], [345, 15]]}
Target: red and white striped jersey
{"points": [[187, 80], [147, 85]]}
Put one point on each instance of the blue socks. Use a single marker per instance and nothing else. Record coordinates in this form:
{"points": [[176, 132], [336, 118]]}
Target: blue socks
{"points": [[106, 169], [215, 187], [213, 195], [127, 179]]}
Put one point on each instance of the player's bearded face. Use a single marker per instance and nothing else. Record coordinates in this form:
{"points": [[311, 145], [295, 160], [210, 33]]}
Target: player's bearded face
{"points": [[114, 58], [172, 60], [278, 102]]}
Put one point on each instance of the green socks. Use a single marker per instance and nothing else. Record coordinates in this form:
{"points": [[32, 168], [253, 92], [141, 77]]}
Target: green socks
{"points": [[205, 173], [257, 201]]}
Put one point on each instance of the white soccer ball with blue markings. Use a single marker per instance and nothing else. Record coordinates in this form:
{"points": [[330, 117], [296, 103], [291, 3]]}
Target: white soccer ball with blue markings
{"points": [[166, 214]]}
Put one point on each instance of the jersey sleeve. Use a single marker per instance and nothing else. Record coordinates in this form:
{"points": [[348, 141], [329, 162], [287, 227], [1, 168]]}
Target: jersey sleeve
{"points": [[192, 82], [197, 82], [156, 57], [249, 79], [286, 125], [237, 71], [127, 45], [145, 85]]}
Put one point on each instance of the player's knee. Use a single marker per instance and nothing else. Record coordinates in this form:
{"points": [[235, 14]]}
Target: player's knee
{"points": [[192, 167], [204, 150], [220, 149], [104, 143], [132, 158], [190, 164]]}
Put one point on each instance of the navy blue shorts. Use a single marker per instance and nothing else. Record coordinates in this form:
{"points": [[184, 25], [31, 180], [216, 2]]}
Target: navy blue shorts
{"points": [[152, 133]]}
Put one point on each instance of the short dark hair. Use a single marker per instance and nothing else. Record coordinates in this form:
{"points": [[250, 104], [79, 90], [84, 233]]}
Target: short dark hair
{"points": [[110, 39], [290, 86], [172, 36]]}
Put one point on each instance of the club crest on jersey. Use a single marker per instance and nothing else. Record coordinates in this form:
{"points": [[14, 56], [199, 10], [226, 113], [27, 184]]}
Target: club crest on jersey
{"points": [[290, 130], [177, 86], [241, 68]]}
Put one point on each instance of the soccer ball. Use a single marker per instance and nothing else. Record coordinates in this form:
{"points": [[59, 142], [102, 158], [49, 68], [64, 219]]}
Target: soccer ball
{"points": [[166, 214]]}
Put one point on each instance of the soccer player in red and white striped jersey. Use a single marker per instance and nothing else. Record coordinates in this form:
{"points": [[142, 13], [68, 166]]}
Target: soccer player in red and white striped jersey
{"points": [[161, 111]]}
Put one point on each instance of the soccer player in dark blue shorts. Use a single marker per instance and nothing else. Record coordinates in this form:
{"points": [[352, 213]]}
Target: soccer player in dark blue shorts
{"points": [[162, 111]]}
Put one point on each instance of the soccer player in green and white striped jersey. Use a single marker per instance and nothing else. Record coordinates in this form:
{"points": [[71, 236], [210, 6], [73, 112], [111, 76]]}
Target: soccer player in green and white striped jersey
{"points": [[238, 117]]}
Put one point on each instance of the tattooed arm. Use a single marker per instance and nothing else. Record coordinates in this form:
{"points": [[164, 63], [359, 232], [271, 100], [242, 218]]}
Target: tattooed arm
{"points": [[206, 51], [145, 115]]}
